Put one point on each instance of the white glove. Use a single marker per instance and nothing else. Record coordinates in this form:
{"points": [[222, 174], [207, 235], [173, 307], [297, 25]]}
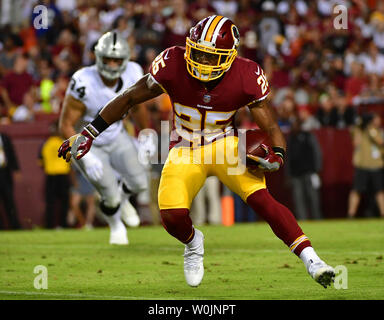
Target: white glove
{"points": [[93, 167]]}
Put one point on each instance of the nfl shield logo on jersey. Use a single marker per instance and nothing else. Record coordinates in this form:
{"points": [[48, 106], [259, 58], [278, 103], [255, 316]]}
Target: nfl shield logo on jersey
{"points": [[207, 98]]}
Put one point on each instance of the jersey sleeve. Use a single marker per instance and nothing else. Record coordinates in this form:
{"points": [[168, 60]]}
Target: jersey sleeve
{"points": [[255, 83], [138, 70], [164, 67], [77, 87]]}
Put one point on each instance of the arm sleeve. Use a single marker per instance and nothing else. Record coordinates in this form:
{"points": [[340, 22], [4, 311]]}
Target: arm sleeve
{"points": [[163, 67]]}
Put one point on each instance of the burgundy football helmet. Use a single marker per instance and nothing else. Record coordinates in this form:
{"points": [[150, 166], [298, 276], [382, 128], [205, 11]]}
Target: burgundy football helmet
{"points": [[211, 47]]}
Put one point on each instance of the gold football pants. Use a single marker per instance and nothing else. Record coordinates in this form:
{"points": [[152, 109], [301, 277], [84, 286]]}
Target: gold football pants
{"points": [[186, 169]]}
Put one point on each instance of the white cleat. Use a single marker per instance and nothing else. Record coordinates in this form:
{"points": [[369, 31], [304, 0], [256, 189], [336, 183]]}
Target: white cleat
{"points": [[118, 234], [129, 214], [322, 273], [193, 261]]}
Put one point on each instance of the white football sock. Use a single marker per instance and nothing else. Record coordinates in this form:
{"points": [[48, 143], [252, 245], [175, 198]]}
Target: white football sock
{"points": [[308, 255], [114, 220], [195, 241]]}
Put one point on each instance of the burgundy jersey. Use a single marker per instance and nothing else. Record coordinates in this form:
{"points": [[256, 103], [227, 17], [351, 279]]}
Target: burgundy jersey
{"points": [[198, 110]]}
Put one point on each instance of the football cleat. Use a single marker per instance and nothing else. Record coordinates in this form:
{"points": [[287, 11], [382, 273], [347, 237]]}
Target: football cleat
{"points": [[193, 261], [322, 273], [118, 234], [129, 214]]}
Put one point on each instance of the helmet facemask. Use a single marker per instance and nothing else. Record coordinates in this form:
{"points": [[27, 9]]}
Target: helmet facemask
{"points": [[207, 63], [108, 72]]}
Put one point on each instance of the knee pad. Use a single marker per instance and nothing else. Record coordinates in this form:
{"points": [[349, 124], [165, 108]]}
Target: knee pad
{"points": [[107, 210]]}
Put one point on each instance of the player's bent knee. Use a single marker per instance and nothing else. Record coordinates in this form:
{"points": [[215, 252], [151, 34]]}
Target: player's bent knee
{"points": [[108, 210], [139, 184], [109, 205], [178, 223]]}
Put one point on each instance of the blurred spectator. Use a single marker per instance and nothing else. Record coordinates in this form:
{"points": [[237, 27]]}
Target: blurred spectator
{"points": [[373, 60], [16, 83], [286, 114], [90, 28], [66, 53], [7, 55], [303, 165], [58, 93], [307, 119], [336, 72], [178, 25], [373, 92], [200, 9], [26, 111], [368, 161], [55, 23], [327, 112], [82, 199], [108, 16], [206, 206], [269, 25], [9, 171], [346, 114], [356, 82], [227, 8], [57, 182]]}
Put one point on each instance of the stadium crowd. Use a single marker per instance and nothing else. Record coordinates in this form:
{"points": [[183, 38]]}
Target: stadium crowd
{"points": [[319, 75]]}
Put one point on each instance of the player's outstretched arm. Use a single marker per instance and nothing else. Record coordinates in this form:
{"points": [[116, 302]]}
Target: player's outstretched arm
{"points": [[71, 112], [78, 145], [266, 120], [144, 89]]}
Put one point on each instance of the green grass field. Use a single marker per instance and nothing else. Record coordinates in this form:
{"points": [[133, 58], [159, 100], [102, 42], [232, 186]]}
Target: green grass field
{"points": [[245, 261]]}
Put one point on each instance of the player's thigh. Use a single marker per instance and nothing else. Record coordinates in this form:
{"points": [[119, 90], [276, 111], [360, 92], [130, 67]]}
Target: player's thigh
{"points": [[233, 173], [125, 161], [243, 184], [179, 183]]}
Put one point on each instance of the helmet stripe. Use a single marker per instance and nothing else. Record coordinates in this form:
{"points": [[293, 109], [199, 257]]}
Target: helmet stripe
{"points": [[206, 27], [212, 28], [216, 33]]}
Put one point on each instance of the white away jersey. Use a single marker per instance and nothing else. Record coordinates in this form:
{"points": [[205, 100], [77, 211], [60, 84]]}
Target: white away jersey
{"points": [[86, 85]]}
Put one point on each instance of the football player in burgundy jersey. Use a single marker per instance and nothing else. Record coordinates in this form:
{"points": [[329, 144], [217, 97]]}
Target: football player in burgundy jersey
{"points": [[207, 83]]}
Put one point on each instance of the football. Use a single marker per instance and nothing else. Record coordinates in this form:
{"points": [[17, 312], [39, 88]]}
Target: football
{"points": [[254, 139]]}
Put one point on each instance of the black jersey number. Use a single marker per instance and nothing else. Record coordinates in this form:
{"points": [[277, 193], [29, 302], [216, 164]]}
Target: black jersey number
{"points": [[80, 90]]}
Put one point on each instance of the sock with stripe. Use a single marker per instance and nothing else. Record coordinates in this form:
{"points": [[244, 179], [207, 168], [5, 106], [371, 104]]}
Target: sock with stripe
{"points": [[280, 219]]}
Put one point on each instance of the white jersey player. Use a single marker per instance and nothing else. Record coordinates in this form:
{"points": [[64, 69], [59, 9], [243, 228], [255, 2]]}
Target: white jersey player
{"points": [[115, 153]]}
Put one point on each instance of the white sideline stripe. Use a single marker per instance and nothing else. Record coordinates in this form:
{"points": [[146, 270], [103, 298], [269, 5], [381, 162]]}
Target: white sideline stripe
{"points": [[177, 249], [80, 295]]}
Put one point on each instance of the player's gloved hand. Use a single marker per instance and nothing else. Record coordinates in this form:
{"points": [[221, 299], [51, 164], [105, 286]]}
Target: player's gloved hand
{"points": [[271, 162], [76, 146], [93, 167]]}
